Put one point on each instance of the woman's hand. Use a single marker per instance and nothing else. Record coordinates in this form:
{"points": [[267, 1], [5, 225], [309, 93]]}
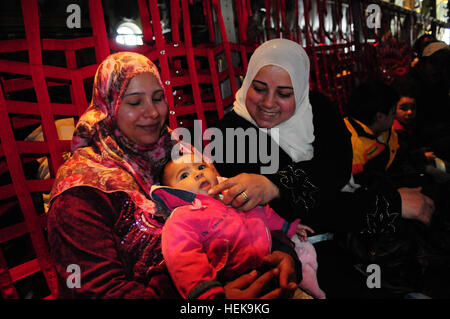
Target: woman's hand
{"points": [[259, 190], [285, 264], [250, 286], [416, 205]]}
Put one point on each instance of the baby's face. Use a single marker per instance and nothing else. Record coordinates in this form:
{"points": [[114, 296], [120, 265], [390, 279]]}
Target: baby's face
{"points": [[191, 174]]}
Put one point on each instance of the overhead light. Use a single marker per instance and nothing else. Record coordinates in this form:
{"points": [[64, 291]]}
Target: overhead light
{"points": [[129, 33]]}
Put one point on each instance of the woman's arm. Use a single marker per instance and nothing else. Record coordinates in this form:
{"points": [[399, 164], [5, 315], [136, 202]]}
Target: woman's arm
{"points": [[323, 208], [80, 227], [289, 191]]}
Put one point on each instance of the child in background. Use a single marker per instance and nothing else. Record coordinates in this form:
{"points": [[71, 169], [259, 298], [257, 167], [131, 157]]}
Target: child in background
{"points": [[205, 242], [370, 115], [421, 157]]}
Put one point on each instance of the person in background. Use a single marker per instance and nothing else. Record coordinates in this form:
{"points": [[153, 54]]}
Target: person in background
{"points": [[420, 44], [381, 161], [420, 156], [370, 116], [431, 78]]}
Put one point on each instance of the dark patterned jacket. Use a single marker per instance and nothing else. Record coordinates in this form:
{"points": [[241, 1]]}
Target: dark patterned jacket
{"points": [[118, 254]]}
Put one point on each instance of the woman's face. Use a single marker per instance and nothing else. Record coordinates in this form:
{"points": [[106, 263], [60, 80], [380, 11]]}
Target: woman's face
{"points": [[143, 110], [270, 98]]}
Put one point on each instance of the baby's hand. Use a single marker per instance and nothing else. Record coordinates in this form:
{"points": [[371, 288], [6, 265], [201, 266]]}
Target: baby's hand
{"points": [[302, 232]]}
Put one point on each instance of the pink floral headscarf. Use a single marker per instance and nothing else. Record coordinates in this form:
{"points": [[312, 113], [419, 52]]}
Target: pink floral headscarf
{"points": [[103, 157]]}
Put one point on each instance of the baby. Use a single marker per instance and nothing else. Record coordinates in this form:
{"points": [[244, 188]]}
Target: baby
{"points": [[205, 242]]}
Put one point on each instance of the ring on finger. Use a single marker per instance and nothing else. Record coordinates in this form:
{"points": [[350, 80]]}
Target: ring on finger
{"points": [[244, 194]]}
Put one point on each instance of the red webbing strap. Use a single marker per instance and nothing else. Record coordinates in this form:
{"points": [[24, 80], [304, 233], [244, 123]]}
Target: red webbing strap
{"points": [[312, 33], [22, 187], [163, 60], [15, 67], [268, 8], [26, 269], [215, 84], [23, 194], [246, 13], [68, 44], [209, 19], [242, 20], [71, 63], [322, 11], [191, 63], [15, 230], [277, 10], [284, 24], [325, 70], [309, 44], [17, 84], [156, 23], [77, 93], [248, 6], [7, 289], [226, 45], [298, 31], [6, 191], [31, 21], [339, 19], [145, 20], [244, 58], [306, 13], [13, 45], [98, 29], [175, 16]]}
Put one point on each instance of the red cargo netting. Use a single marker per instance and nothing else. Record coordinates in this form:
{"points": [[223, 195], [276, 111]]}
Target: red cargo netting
{"points": [[30, 98]]}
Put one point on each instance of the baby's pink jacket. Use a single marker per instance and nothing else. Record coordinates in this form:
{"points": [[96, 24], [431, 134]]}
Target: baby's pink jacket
{"points": [[203, 237]]}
